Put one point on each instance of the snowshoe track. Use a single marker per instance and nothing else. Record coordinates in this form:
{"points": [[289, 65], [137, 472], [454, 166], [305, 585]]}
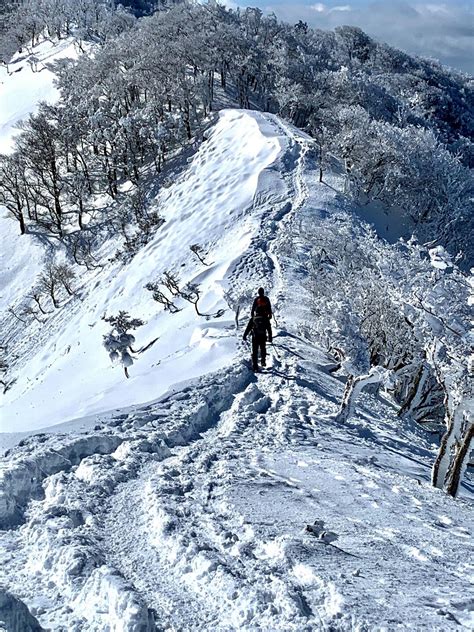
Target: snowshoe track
{"points": [[189, 539]]}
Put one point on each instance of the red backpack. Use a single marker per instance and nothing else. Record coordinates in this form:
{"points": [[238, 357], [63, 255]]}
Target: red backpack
{"points": [[262, 306]]}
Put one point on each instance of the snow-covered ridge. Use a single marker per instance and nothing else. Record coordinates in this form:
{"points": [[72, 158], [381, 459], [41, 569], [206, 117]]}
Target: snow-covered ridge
{"points": [[215, 204], [233, 501]]}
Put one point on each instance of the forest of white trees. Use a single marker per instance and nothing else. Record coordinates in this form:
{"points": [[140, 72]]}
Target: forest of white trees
{"points": [[399, 317], [402, 127]]}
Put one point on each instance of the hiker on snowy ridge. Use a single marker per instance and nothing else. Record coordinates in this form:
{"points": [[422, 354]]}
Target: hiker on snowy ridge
{"points": [[263, 302], [259, 326]]}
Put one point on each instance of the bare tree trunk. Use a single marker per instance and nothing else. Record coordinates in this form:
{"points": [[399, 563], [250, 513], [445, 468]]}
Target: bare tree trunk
{"points": [[12, 311], [210, 82], [415, 392], [21, 218], [344, 411], [437, 475], [354, 386], [187, 122], [55, 300], [68, 288], [444, 461], [36, 298], [320, 162], [460, 461], [81, 213]]}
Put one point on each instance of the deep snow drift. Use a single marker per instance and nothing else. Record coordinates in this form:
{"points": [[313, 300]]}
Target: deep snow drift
{"points": [[196, 495]]}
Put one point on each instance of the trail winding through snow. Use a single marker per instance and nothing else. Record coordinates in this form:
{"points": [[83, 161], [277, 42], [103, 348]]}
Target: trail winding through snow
{"points": [[190, 513], [124, 474], [183, 534]]}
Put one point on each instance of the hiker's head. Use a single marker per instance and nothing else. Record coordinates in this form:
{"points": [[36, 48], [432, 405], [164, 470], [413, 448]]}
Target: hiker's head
{"points": [[261, 291]]}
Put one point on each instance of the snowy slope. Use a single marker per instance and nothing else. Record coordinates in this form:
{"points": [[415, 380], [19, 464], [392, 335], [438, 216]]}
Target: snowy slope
{"points": [[231, 501], [22, 86], [214, 205], [26, 82], [191, 513]]}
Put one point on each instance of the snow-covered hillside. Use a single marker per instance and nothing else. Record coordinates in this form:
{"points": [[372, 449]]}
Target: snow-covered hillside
{"points": [[197, 495], [69, 374], [26, 81], [23, 83]]}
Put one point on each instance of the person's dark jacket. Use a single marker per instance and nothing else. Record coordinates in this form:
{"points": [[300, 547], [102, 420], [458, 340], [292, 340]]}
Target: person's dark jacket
{"points": [[259, 327], [262, 303]]}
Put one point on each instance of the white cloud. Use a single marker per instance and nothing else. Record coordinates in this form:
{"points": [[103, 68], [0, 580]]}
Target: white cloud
{"points": [[319, 7], [230, 4], [436, 8]]}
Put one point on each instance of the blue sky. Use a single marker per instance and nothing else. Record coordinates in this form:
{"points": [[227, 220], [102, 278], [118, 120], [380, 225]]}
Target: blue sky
{"points": [[441, 30]]}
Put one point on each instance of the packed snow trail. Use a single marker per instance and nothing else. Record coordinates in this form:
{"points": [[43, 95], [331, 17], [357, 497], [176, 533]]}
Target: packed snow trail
{"points": [[224, 521], [196, 511], [197, 519]]}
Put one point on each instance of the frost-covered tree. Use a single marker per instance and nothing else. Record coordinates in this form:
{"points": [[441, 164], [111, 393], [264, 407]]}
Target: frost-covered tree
{"points": [[189, 292], [399, 316], [118, 342], [137, 220], [239, 299], [13, 188], [49, 283], [41, 148], [401, 125], [81, 245], [53, 278], [440, 309], [26, 22], [65, 275], [36, 294], [3, 367], [410, 170], [200, 253]]}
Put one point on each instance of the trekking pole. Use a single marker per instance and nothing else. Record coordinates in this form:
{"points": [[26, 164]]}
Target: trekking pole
{"points": [[276, 352]]}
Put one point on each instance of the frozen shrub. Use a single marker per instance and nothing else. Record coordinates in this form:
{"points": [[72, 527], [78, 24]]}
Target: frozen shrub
{"points": [[118, 342]]}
